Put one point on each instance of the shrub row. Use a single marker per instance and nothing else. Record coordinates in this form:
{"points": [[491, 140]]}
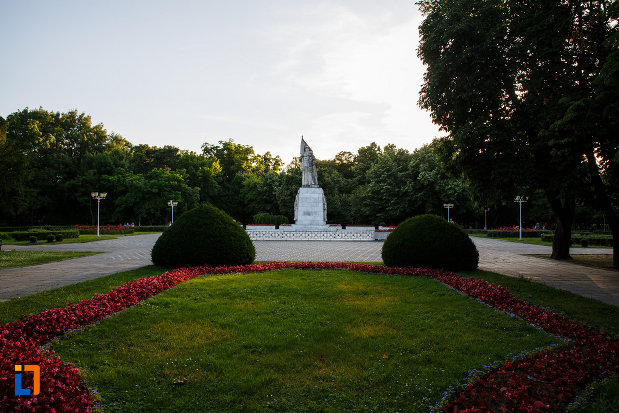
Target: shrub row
{"points": [[40, 227], [268, 219], [600, 240], [40, 234], [105, 231], [151, 228], [516, 234], [475, 231]]}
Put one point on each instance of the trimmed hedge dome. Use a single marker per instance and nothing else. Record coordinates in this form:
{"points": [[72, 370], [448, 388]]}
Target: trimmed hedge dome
{"points": [[429, 241], [203, 236]]}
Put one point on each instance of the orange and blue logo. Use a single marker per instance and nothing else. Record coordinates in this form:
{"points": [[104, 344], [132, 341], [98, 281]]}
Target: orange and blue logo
{"points": [[37, 380]]}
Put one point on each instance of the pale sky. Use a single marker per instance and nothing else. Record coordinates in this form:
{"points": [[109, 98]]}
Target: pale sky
{"points": [[343, 73]]}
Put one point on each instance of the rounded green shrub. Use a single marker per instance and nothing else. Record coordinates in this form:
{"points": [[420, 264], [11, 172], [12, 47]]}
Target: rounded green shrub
{"points": [[33, 239], [203, 236], [51, 238], [59, 237], [429, 241]]}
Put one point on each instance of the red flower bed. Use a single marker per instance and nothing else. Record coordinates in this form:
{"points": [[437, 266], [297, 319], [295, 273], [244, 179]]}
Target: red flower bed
{"points": [[541, 382], [515, 228]]}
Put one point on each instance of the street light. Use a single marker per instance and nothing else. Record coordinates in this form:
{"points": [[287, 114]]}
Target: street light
{"points": [[485, 219], [520, 199], [98, 196], [448, 206], [172, 204]]}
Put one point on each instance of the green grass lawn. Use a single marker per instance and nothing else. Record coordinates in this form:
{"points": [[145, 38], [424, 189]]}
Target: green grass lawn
{"points": [[197, 312], [9, 259], [294, 340]]}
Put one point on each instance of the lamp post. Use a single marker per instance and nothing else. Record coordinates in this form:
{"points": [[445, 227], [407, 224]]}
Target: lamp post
{"points": [[98, 196], [172, 204], [520, 199], [448, 206], [485, 219]]}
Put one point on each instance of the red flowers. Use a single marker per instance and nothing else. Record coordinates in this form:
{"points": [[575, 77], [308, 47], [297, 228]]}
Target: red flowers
{"points": [[515, 228], [540, 382]]}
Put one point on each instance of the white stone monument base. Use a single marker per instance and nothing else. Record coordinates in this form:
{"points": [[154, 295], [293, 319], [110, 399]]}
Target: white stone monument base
{"points": [[333, 234], [310, 209]]}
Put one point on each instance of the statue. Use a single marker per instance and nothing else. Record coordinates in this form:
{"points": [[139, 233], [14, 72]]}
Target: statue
{"points": [[310, 205], [308, 166]]}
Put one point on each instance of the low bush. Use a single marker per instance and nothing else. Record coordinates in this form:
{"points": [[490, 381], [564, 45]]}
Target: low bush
{"points": [[597, 240], [42, 234], [203, 236], [151, 228], [268, 219], [51, 238], [430, 241], [529, 233], [106, 229], [59, 237], [33, 239]]}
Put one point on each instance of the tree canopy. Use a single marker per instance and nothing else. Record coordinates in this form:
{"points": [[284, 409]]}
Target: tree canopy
{"points": [[46, 184], [524, 90]]}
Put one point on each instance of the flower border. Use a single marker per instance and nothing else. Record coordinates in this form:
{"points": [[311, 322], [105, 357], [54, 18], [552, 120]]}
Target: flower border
{"points": [[542, 381]]}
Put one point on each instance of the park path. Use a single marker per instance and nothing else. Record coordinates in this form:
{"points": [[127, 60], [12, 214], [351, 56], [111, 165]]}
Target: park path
{"points": [[119, 254], [130, 252], [513, 259]]}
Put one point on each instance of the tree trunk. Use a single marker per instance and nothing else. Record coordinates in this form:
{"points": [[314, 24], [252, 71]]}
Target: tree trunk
{"points": [[605, 204], [564, 217]]}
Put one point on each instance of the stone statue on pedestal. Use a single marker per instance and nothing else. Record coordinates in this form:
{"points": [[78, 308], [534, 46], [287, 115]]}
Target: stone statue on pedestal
{"points": [[308, 166], [310, 205]]}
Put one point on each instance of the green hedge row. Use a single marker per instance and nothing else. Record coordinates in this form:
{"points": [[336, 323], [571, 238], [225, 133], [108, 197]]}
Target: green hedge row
{"points": [[600, 240], [474, 231], [265, 218], [39, 234], [151, 228], [515, 234], [105, 231], [36, 228]]}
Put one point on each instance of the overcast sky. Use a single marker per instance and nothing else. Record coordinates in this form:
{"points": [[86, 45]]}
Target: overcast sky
{"points": [[343, 73]]}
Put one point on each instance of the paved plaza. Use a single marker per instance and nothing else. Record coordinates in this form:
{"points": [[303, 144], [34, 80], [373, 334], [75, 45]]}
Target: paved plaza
{"points": [[125, 253]]}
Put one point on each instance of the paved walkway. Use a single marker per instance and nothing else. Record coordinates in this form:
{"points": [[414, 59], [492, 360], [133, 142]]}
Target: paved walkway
{"points": [[120, 254], [132, 252]]}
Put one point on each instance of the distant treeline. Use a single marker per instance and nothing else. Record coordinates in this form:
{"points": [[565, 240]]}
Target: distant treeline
{"points": [[51, 162]]}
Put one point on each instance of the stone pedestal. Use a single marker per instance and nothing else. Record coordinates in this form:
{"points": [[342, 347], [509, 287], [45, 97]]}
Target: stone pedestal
{"points": [[310, 209]]}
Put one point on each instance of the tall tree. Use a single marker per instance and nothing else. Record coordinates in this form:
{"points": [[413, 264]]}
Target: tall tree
{"points": [[53, 145], [510, 80], [13, 174]]}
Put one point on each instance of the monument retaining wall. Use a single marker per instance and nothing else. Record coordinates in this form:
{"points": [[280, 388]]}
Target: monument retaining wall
{"points": [[338, 235]]}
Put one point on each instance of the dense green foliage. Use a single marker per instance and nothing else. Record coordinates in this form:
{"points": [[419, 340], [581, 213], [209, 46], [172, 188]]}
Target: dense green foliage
{"points": [[294, 340], [40, 233], [265, 218], [57, 159], [527, 91], [430, 241], [203, 236], [52, 161]]}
